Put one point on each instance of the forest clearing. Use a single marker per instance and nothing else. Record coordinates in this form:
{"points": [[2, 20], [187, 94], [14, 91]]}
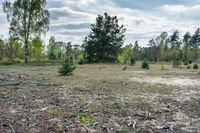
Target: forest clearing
{"points": [[98, 98], [99, 66]]}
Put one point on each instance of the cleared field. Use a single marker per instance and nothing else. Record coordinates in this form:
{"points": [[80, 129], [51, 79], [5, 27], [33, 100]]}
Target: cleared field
{"points": [[99, 98]]}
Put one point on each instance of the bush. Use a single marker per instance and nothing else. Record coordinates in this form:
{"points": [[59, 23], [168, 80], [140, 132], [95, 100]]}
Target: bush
{"points": [[188, 67], [145, 65], [190, 62], [8, 61], [195, 66], [17, 60], [67, 67], [132, 60], [176, 63], [163, 67], [81, 61], [185, 63]]}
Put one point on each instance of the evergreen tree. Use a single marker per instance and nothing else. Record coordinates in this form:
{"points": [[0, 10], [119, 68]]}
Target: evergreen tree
{"points": [[195, 40], [187, 44], [105, 39]]}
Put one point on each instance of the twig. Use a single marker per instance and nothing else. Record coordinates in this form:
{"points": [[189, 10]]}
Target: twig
{"points": [[11, 127]]}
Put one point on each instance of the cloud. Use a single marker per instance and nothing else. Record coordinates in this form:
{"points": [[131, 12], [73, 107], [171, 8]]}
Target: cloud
{"points": [[70, 26], [143, 19], [180, 8], [174, 8]]}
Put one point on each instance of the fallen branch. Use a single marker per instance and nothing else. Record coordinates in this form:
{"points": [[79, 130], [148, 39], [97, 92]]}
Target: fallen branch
{"points": [[11, 127]]}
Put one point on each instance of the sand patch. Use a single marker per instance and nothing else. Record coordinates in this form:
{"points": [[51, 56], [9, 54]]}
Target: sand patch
{"points": [[176, 81]]}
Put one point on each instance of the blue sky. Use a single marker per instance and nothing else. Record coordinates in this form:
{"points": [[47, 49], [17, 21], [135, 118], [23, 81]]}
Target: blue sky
{"points": [[143, 19]]}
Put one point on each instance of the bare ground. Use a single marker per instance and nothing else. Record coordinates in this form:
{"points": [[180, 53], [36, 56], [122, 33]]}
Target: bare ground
{"points": [[99, 98]]}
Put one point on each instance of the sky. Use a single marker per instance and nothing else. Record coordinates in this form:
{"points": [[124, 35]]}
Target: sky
{"points": [[70, 20]]}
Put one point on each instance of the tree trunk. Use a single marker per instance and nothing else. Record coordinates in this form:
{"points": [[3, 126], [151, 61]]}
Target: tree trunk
{"points": [[26, 52]]}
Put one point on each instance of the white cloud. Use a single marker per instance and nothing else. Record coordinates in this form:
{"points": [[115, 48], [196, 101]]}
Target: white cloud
{"points": [[69, 16], [180, 8], [174, 8]]}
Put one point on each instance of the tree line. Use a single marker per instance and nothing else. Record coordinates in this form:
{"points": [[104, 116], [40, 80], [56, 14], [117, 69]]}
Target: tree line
{"points": [[105, 43]]}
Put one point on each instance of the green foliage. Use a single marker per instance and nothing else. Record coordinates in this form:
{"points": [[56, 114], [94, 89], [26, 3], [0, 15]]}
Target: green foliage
{"points": [[52, 49], [10, 61], [27, 18], [132, 60], [195, 66], [169, 47], [125, 56], [105, 39], [17, 60], [81, 59], [145, 65], [67, 67], [55, 112], [85, 119], [188, 67], [36, 49], [185, 63], [176, 63]]}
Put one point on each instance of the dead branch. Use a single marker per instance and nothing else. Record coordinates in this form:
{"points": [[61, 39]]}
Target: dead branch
{"points": [[11, 127]]}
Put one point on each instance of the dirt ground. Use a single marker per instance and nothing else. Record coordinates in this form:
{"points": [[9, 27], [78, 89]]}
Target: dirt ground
{"points": [[99, 98]]}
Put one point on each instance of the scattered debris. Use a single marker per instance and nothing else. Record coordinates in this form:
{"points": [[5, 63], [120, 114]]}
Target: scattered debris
{"points": [[163, 126], [162, 110]]}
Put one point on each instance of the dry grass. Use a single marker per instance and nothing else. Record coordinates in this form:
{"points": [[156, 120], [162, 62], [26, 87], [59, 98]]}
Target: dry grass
{"points": [[102, 92]]}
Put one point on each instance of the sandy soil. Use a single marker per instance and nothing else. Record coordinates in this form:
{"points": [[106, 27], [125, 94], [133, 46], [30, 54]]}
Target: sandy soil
{"points": [[98, 98], [176, 81]]}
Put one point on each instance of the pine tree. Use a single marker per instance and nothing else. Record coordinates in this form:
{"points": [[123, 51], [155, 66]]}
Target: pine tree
{"points": [[105, 39]]}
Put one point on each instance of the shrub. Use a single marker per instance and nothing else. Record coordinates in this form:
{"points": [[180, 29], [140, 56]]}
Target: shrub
{"points": [[132, 60], [188, 67], [145, 65], [81, 61], [195, 66], [125, 56], [67, 67], [8, 61], [176, 63], [185, 63], [190, 62], [163, 67], [17, 60]]}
